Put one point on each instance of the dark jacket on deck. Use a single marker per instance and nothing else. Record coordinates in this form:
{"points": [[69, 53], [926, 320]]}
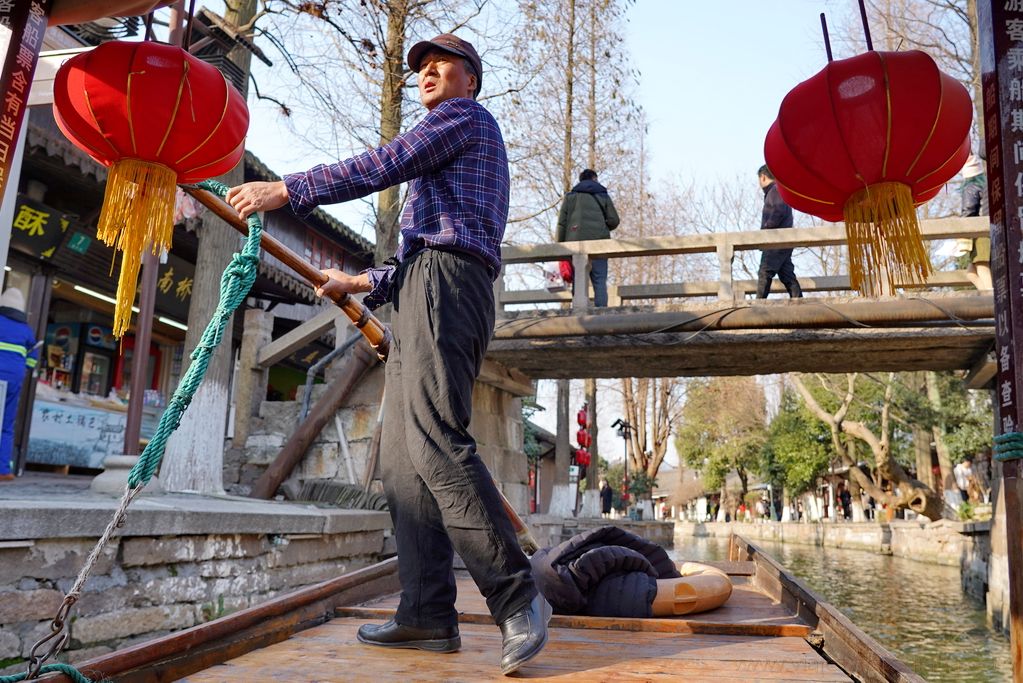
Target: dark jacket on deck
{"points": [[606, 572], [587, 213]]}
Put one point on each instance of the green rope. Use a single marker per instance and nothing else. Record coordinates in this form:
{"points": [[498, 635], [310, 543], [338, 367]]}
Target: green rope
{"points": [[234, 287], [66, 669], [1009, 446]]}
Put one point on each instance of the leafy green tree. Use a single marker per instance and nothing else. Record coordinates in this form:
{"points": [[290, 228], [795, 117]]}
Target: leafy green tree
{"points": [[798, 446], [723, 429]]}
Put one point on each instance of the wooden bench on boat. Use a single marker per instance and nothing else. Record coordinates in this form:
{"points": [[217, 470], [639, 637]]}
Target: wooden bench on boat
{"points": [[772, 628]]}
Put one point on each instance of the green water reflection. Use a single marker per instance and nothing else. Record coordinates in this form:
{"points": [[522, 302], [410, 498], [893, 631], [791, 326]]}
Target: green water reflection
{"points": [[916, 610]]}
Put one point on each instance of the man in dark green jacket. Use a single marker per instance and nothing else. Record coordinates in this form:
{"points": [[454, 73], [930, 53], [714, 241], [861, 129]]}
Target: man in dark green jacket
{"points": [[589, 214]]}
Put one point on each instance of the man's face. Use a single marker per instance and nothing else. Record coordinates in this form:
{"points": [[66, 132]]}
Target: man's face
{"points": [[764, 180], [442, 76]]}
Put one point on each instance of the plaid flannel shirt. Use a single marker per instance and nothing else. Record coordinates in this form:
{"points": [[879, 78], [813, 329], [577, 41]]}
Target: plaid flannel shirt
{"points": [[455, 163]]}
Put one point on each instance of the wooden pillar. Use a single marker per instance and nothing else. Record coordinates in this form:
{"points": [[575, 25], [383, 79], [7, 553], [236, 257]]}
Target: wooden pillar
{"points": [[1001, 44], [252, 378], [580, 284]]}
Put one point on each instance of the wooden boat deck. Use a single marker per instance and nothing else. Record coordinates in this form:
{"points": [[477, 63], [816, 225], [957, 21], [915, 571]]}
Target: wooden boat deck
{"points": [[750, 637], [772, 628]]}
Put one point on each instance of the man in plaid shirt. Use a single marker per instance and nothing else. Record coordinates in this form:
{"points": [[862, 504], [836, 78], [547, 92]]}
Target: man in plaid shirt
{"points": [[441, 496]]}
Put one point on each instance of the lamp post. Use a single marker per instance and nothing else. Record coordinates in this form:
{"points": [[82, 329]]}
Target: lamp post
{"points": [[624, 431]]}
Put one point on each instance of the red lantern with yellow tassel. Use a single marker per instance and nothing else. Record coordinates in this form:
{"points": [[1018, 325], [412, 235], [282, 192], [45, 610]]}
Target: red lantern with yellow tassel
{"points": [[156, 116], [867, 140]]}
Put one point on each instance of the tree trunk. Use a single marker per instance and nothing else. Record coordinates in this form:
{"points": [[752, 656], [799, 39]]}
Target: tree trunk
{"points": [[922, 447], [566, 157], [591, 161], [938, 431], [389, 200], [590, 389], [194, 460]]}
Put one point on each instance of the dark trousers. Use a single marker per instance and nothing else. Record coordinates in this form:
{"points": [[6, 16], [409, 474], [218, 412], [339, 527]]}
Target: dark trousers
{"points": [[777, 262], [13, 376], [441, 495], [598, 276]]}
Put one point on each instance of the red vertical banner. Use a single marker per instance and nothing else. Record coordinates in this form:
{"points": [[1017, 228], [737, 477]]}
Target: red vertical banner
{"points": [[1001, 44], [26, 21]]}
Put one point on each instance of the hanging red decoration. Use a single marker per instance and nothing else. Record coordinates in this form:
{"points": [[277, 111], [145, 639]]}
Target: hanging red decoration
{"points": [[582, 437], [582, 417], [582, 457], [866, 140], [156, 116]]}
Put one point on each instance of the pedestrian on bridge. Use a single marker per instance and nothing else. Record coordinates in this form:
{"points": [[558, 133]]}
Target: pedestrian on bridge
{"points": [[587, 213], [440, 495], [776, 214]]}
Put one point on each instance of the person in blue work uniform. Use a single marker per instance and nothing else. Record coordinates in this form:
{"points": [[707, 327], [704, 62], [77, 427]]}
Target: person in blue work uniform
{"points": [[17, 353], [440, 495]]}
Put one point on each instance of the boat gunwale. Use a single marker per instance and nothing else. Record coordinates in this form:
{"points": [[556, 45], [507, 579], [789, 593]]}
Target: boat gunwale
{"points": [[197, 648], [835, 635]]}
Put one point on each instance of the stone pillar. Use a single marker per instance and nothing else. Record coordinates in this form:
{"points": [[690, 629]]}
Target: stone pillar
{"points": [[252, 379]]}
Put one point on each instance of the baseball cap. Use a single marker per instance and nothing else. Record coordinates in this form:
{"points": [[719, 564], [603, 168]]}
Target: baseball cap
{"points": [[448, 42]]}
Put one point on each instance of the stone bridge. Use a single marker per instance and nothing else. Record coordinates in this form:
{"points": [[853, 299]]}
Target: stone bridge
{"points": [[713, 328]]}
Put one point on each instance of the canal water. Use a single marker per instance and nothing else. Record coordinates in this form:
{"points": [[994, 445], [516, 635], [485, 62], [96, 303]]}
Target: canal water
{"points": [[916, 610]]}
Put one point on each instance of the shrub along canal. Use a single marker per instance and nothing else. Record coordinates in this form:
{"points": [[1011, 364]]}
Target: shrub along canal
{"points": [[916, 610]]}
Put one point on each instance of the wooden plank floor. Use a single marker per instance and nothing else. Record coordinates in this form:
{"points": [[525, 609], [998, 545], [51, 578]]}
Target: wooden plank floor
{"points": [[689, 648]]}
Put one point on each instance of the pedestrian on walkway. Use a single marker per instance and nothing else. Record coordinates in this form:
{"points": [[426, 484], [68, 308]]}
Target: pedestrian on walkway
{"points": [[440, 494], [17, 353], [587, 213], [776, 214]]}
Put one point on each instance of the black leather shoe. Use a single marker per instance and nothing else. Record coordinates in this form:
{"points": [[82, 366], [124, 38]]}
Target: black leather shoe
{"points": [[392, 634], [525, 634]]}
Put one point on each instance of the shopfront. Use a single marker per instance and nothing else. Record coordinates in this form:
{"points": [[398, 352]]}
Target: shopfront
{"points": [[74, 411]]}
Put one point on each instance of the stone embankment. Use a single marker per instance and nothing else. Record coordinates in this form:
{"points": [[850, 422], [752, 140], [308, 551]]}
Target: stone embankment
{"points": [[179, 563], [966, 545]]}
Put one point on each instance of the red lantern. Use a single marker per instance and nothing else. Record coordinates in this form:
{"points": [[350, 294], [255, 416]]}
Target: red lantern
{"points": [[156, 116], [866, 140], [582, 437], [582, 457], [582, 417]]}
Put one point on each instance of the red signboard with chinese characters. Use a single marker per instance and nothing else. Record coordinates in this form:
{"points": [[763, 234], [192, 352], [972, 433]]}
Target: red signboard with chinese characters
{"points": [[26, 21], [1000, 24]]}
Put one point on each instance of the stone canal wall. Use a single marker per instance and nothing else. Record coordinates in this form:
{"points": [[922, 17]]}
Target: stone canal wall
{"points": [[173, 569], [966, 545]]}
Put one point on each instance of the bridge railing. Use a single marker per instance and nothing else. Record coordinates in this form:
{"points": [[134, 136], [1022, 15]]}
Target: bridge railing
{"points": [[724, 245]]}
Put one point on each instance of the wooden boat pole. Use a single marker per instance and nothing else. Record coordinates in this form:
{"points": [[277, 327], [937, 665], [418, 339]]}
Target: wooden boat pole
{"points": [[375, 332], [378, 336]]}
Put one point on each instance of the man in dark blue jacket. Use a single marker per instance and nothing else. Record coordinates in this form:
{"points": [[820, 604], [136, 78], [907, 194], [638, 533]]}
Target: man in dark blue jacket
{"points": [[17, 352], [777, 214]]}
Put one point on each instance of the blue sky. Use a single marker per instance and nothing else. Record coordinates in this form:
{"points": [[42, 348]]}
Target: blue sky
{"points": [[712, 79]]}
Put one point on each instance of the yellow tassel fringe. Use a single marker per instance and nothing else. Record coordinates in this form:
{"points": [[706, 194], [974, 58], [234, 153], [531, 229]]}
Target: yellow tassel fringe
{"points": [[885, 248], [138, 212]]}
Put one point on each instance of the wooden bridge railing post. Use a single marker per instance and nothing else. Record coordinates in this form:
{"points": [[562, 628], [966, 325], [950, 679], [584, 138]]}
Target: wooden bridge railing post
{"points": [[499, 292], [726, 252], [580, 282]]}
